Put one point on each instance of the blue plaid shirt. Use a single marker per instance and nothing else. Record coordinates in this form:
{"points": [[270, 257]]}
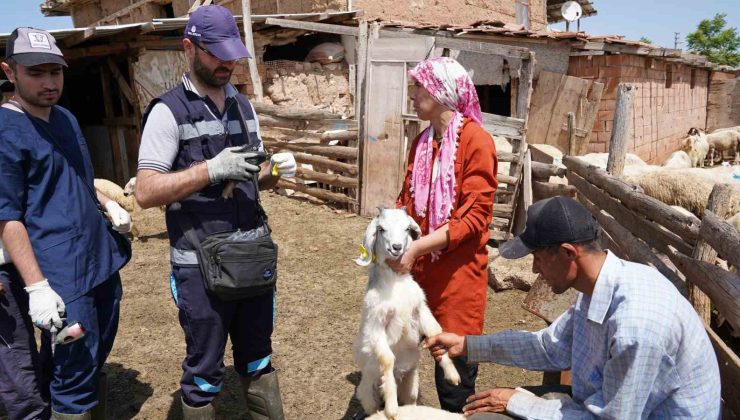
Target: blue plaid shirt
{"points": [[636, 348]]}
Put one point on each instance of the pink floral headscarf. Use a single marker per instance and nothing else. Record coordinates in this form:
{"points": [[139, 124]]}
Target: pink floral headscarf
{"points": [[450, 85]]}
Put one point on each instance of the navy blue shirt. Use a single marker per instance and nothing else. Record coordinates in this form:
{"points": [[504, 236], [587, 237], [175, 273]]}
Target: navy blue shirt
{"points": [[70, 238]]}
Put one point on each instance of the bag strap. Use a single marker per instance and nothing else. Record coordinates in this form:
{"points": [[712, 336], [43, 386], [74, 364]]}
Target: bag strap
{"points": [[54, 141]]}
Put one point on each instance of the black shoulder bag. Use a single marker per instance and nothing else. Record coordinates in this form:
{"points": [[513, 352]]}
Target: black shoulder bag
{"points": [[121, 240], [237, 264]]}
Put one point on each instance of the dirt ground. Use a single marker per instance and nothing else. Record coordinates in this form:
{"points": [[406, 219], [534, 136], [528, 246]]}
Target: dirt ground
{"points": [[319, 300]]}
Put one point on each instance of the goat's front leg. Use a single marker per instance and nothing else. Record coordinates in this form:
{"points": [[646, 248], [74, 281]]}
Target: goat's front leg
{"points": [[366, 388], [429, 328]]}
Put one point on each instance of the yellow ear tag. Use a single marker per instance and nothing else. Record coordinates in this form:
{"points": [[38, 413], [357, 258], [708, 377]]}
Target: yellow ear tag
{"points": [[275, 170], [363, 252]]}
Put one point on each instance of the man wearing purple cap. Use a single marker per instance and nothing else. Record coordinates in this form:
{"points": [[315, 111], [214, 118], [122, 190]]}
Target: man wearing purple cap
{"points": [[636, 347], [198, 138], [62, 248]]}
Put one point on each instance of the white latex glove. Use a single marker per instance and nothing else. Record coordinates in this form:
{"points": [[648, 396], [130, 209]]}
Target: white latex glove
{"points": [[119, 217], [45, 306], [283, 164]]}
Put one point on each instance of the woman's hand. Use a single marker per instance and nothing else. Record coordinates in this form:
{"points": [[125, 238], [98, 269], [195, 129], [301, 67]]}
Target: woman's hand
{"points": [[404, 264]]}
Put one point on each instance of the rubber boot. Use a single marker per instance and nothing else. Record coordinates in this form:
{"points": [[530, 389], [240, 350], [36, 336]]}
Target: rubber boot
{"points": [[207, 412], [263, 397], [99, 411], [60, 416]]}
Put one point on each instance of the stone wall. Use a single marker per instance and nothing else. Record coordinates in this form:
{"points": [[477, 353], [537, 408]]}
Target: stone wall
{"points": [[670, 99]]}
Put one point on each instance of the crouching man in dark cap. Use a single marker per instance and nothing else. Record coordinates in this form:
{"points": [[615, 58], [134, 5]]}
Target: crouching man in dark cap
{"points": [[636, 347]]}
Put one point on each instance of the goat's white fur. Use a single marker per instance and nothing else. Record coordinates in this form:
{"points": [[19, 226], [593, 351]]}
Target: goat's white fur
{"points": [[395, 317], [418, 412]]}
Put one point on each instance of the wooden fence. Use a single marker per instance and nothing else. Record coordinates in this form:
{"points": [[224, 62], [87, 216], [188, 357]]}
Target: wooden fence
{"points": [[682, 247], [320, 139]]}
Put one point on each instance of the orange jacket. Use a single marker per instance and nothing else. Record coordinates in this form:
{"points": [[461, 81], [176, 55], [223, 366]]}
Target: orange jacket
{"points": [[456, 284]]}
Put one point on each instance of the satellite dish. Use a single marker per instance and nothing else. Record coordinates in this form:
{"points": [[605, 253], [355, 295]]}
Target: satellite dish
{"points": [[571, 11]]}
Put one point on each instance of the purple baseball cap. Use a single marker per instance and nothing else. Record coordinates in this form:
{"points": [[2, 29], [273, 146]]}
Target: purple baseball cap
{"points": [[214, 27], [31, 47]]}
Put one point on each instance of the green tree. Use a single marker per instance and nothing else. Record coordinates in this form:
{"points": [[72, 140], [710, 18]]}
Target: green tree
{"points": [[646, 40], [712, 40]]}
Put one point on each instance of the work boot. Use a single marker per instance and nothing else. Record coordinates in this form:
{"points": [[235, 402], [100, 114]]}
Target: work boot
{"points": [[207, 412], [263, 397], [99, 411], [60, 416]]}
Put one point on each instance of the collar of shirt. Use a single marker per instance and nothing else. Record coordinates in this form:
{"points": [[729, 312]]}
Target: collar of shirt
{"points": [[601, 299]]}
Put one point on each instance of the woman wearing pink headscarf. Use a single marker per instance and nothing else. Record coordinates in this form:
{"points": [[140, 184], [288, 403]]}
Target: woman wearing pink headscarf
{"points": [[449, 187]]}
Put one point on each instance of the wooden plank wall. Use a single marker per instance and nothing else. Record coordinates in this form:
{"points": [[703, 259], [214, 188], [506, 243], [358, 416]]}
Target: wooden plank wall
{"points": [[555, 96], [723, 106]]}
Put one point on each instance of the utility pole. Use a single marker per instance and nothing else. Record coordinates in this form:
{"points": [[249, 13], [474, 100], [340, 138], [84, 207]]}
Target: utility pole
{"points": [[675, 40]]}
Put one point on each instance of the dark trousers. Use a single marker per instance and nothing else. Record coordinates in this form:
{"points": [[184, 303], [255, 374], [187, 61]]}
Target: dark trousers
{"points": [[452, 398], [24, 372], [74, 385], [207, 322]]}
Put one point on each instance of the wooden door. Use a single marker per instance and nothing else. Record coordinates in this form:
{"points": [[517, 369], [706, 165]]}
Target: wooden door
{"points": [[384, 146]]}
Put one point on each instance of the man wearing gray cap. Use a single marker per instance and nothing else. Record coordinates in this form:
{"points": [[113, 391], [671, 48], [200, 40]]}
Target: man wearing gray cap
{"points": [[200, 139], [636, 347], [65, 251]]}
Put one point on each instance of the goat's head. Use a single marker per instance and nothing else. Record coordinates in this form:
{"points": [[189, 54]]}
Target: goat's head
{"points": [[130, 187], [389, 235]]}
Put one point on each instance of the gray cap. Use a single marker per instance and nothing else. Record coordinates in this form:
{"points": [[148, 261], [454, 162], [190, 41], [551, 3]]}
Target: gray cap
{"points": [[32, 47]]}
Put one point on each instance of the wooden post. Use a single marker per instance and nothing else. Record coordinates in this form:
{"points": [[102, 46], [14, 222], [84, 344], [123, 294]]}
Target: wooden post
{"points": [[249, 43], [719, 204], [572, 149], [621, 129]]}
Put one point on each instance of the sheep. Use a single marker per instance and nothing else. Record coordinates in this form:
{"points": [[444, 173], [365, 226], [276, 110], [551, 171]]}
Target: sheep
{"points": [[417, 412], [722, 141], [633, 165], [678, 159], [688, 187], [697, 147], [395, 317], [111, 190]]}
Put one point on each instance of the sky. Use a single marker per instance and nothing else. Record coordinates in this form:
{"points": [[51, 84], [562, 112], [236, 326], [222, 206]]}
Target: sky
{"points": [[654, 19]]}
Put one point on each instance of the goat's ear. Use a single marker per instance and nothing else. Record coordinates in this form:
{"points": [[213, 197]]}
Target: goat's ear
{"points": [[368, 245], [415, 229]]}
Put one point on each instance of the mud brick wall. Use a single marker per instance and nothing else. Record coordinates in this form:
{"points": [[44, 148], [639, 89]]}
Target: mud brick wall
{"points": [[670, 99]]}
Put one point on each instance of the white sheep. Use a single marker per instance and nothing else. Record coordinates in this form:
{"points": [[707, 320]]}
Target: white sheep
{"points": [[722, 141], [633, 165], [697, 147], [395, 318], [678, 159], [689, 187], [418, 412]]}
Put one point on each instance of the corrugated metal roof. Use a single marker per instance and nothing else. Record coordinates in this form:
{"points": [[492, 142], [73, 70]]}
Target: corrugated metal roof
{"points": [[175, 24]]}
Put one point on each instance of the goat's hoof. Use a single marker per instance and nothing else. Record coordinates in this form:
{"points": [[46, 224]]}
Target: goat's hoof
{"points": [[453, 378]]}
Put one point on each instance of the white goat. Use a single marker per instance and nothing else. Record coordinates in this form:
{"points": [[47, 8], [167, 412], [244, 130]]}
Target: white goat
{"points": [[418, 412], [395, 317], [696, 146], [111, 190]]}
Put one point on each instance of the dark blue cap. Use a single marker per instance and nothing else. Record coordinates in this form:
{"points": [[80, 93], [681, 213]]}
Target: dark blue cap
{"points": [[552, 222], [214, 27]]}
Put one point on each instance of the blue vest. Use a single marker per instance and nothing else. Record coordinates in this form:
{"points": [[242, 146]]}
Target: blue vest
{"points": [[202, 137]]}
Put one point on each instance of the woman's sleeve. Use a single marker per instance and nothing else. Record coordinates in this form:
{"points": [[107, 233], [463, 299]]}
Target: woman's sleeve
{"points": [[472, 218]]}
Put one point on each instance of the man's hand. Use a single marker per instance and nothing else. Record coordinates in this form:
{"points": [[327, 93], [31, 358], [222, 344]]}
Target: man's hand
{"points": [[119, 217], [404, 264], [232, 163], [449, 343], [44, 305], [283, 164], [491, 401]]}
